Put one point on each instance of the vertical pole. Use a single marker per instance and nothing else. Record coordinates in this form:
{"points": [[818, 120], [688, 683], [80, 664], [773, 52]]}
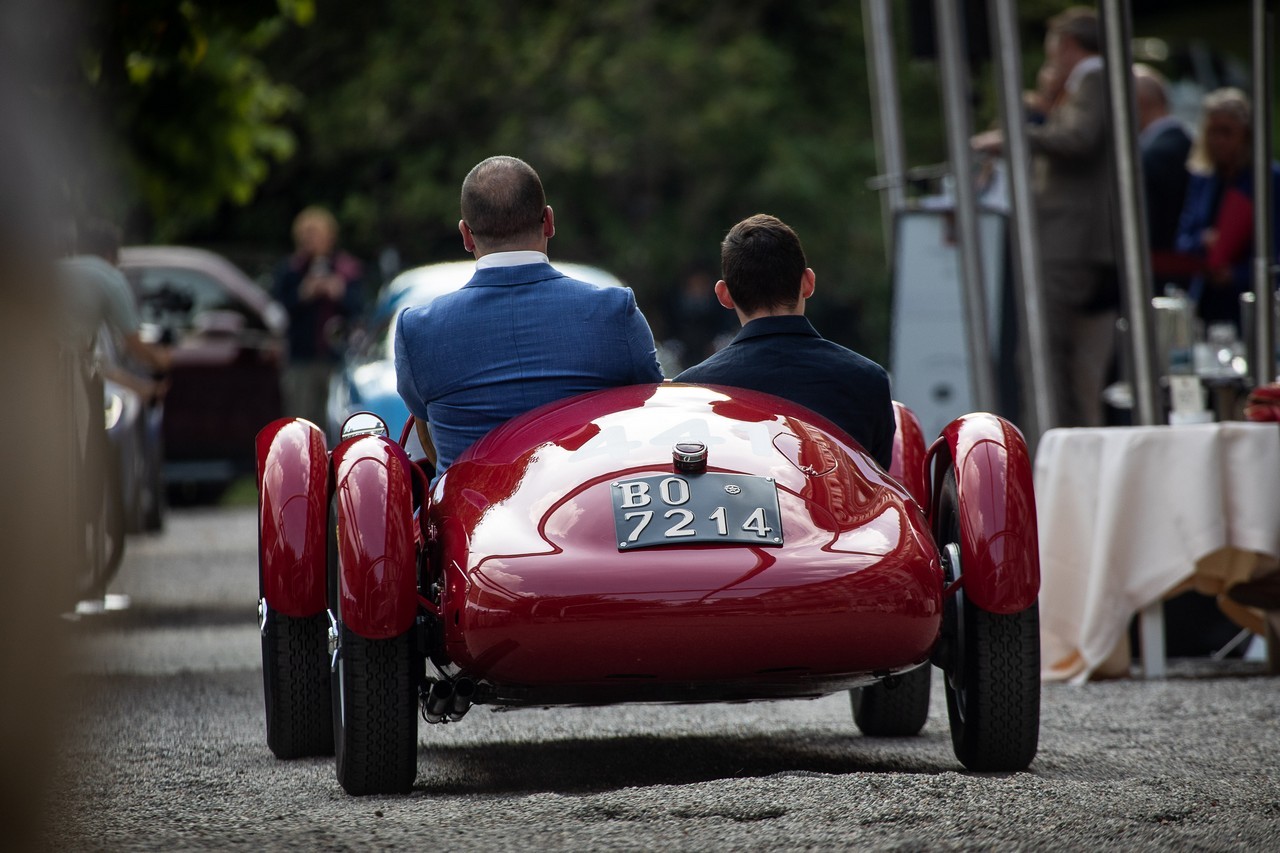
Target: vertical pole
{"points": [[886, 115], [954, 71], [1117, 32], [1264, 368], [1025, 237]]}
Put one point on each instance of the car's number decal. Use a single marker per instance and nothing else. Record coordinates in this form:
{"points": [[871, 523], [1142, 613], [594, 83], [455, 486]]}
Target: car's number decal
{"points": [[713, 507]]}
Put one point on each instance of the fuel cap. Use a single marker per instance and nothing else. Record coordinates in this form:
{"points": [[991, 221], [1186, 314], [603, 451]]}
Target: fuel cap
{"points": [[690, 457]]}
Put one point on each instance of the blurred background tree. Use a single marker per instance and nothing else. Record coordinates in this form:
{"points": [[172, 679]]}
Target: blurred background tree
{"points": [[656, 124]]}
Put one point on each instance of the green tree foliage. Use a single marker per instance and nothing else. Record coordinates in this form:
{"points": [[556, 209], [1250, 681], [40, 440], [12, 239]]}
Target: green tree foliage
{"points": [[187, 116], [655, 126]]}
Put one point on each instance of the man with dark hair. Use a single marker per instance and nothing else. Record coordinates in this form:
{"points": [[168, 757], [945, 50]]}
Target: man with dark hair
{"points": [[766, 282], [519, 334]]}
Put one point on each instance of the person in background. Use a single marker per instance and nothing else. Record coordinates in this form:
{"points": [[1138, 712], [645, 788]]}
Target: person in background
{"points": [[778, 351], [1076, 212], [1165, 144], [320, 286], [100, 296], [520, 333], [1216, 226]]}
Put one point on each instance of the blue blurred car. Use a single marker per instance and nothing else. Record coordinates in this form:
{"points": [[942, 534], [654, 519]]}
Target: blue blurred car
{"points": [[367, 381]]}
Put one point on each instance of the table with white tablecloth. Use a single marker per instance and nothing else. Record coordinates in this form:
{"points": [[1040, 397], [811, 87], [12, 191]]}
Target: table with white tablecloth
{"points": [[1130, 515]]}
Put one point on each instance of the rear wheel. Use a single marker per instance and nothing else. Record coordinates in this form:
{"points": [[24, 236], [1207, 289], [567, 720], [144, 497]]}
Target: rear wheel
{"points": [[900, 710], [375, 714], [374, 700], [993, 665], [295, 684]]}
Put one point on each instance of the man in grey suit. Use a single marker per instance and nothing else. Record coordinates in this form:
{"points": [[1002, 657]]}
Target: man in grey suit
{"points": [[1074, 185]]}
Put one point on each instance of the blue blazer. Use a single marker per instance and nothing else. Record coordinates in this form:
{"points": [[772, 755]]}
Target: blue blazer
{"points": [[513, 339]]}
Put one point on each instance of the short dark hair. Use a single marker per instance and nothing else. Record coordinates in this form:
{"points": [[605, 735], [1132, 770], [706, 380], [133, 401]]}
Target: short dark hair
{"points": [[502, 198], [762, 263], [1079, 23]]}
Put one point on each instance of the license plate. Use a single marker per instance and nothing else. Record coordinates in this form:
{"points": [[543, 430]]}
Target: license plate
{"points": [[675, 509]]}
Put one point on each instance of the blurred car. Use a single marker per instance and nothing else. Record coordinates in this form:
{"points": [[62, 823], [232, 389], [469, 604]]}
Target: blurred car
{"points": [[135, 459], [367, 381], [228, 351]]}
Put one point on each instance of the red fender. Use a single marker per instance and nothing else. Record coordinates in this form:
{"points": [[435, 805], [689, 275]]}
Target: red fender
{"points": [[908, 466], [999, 546], [377, 580], [293, 500]]}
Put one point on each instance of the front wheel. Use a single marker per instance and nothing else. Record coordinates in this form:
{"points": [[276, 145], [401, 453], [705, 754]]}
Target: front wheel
{"points": [[993, 666], [900, 710], [375, 719], [295, 682]]}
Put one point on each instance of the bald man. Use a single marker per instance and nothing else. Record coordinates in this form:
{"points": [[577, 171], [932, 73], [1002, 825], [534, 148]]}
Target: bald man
{"points": [[520, 333]]}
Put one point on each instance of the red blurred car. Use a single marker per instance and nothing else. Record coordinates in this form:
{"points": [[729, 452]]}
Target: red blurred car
{"points": [[227, 335], [658, 543]]}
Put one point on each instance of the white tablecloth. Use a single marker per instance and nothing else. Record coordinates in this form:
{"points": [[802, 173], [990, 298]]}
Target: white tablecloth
{"points": [[1129, 514]]}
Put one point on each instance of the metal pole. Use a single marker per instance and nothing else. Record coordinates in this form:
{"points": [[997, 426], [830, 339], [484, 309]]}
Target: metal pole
{"points": [[1116, 33], [1025, 237], [1264, 367], [886, 115], [955, 103]]}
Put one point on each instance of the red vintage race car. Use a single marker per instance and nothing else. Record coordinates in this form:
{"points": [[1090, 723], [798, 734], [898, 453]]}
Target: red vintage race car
{"points": [[656, 543]]}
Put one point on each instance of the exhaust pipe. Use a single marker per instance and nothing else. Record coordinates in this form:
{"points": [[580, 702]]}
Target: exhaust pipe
{"points": [[438, 701], [464, 689]]}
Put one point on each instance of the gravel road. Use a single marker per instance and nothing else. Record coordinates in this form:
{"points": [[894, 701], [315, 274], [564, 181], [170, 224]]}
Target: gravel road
{"points": [[164, 750]]}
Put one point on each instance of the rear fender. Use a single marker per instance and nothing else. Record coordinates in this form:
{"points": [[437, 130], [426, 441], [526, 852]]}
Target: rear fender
{"points": [[999, 545], [293, 500], [908, 466], [377, 581]]}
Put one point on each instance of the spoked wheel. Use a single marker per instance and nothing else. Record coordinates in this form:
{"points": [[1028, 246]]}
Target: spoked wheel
{"points": [[900, 710], [992, 665], [375, 703], [295, 683]]}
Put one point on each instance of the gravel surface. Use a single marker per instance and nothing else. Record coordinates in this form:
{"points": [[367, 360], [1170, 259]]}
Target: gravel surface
{"points": [[164, 750]]}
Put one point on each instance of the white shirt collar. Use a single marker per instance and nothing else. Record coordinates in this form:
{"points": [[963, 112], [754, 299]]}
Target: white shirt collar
{"points": [[1083, 67], [1157, 127], [510, 259]]}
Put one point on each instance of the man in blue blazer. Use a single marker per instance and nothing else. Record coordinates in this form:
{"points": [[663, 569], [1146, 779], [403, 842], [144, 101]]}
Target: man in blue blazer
{"points": [[519, 334], [766, 282]]}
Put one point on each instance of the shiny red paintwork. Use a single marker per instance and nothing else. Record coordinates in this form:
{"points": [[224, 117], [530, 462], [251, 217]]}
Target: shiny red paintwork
{"points": [[908, 465], [1000, 552], [377, 548], [293, 474], [539, 602]]}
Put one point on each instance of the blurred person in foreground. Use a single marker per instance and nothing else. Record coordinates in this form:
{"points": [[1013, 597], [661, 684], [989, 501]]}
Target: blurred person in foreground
{"points": [[320, 286], [778, 351], [1075, 201], [519, 334], [1216, 227]]}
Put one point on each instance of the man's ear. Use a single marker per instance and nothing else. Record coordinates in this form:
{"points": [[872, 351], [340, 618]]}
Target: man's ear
{"points": [[807, 283], [548, 223], [722, 294], [468, 239]]}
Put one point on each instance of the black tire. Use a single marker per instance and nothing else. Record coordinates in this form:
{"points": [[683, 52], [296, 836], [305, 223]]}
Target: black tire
{"points": [[295, 685], [374, 700], [992, 676], [375, 714], [898, 711]]}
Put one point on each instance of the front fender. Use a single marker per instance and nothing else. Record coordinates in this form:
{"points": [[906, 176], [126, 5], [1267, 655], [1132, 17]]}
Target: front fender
{"points": [[293, 479], [377, 583], [999, 547]]}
